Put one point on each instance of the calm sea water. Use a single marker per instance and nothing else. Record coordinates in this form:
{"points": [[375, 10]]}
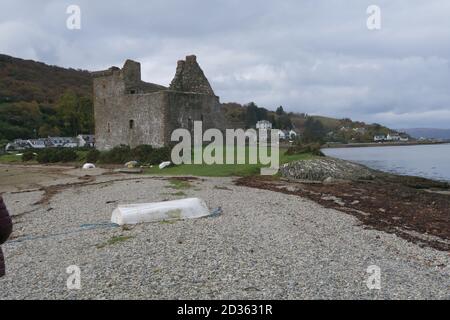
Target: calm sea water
{"points": [[428, 161]]}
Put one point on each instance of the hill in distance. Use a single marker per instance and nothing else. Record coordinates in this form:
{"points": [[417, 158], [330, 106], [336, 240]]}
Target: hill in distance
{"points": [[27, 80], [40, 100], [428, 133]]}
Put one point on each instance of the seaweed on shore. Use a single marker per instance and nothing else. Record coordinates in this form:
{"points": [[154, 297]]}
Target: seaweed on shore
{"points": [[389, 203]]}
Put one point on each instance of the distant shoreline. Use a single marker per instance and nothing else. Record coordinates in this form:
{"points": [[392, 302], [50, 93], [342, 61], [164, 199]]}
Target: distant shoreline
{"points": [[380, 144]]}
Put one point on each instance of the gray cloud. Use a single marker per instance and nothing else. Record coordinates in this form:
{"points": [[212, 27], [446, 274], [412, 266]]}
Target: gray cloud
{"points": [[309, 56]]}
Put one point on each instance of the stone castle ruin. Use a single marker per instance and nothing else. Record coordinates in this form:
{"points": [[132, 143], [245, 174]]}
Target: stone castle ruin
{"points": [[131, 112]]}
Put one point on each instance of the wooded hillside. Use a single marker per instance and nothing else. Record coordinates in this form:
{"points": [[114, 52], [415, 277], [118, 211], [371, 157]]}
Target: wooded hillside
{"points": [[37, 100]]}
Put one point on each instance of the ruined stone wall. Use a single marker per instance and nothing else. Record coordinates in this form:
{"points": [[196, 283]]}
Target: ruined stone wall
{"points": [[185, 108], [131, 112], [132, 119], [189, 77]]}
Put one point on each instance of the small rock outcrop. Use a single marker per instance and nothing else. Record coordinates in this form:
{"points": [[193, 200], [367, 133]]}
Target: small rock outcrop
{"points": [[326, 169]]}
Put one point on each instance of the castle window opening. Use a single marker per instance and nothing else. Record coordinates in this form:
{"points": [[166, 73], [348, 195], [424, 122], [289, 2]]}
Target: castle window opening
{"points": [[131, 124], [133, 91], [109, 127]]}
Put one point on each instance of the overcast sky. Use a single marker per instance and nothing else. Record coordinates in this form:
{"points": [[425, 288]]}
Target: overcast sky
{"points": [[310, 56]]}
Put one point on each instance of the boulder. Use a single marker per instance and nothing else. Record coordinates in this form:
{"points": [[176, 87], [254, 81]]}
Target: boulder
{"points": [[325, 169]]}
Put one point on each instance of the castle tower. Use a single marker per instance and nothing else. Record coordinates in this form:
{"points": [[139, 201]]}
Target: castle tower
{"points": [[132, 112], [189, 77]]}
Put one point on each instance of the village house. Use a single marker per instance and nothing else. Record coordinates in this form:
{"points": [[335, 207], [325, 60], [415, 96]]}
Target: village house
{"points": [[37, 143], [361, 130], [393, 137], [51, 142], [86, 140], [379, 138], [62, 142], [22, 144], [17, 144], [264, 125]]}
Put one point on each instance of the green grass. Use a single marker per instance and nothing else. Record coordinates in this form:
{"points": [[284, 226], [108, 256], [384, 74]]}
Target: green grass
{"points": [[81, 156], [225, 170], [114, 240], [178, 194], [179, 184], [204, 170], [10, 158]]}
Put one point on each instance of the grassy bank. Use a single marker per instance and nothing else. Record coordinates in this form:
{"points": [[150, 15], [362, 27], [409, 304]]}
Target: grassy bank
{"points": [[16, 158], [224, 170], [214, 170], [10, 158]]}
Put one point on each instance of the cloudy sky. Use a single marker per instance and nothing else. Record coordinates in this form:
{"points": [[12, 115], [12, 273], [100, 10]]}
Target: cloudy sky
{"points": [[312, 56]]}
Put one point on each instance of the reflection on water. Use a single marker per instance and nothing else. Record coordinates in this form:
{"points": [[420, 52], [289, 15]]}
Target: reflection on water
{"points": [[429, 161]]}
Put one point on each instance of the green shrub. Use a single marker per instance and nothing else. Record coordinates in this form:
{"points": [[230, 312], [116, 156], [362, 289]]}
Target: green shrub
{"points": [[313, 148], [144, 154], [28, 156], [117, 155], [156, 156], [57, 155], [67, 155], [92, 156]]}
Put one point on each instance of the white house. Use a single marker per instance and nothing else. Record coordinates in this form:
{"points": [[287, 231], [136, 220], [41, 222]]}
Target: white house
{"points": [[17, 144], [86, 140], [379, 138], [281, 135], [264, 125], [36, 143], [393, 137], [59, 142], [360, 130]]}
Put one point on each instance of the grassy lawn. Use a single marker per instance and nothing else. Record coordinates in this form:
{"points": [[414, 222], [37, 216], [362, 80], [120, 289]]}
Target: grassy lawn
{"points": [[205, 170], [81, 156], [225, 170], [11, 158]]}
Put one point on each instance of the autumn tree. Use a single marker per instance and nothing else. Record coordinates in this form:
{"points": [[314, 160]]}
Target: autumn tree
{"points": [[314, 131]]}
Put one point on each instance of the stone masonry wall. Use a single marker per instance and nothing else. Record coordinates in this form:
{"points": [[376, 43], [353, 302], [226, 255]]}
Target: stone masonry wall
{"points": [[132, 112], [185, 108], [189, 77], [131, 120]]}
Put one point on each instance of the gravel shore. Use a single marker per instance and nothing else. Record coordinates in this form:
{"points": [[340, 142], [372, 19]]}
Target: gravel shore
{"points": [[265, 245]]}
